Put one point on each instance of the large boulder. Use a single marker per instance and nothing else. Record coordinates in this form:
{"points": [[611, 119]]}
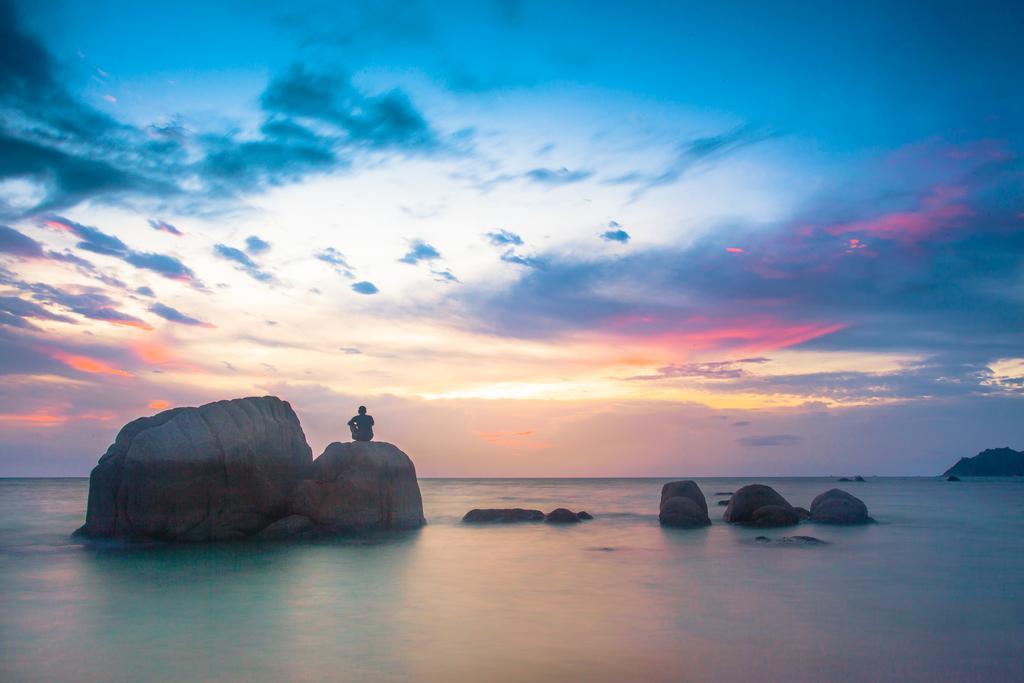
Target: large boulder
{"points": [[502, 516], [224, 470], [747, 500], [683, 505], [360, 485], [836, 506]]}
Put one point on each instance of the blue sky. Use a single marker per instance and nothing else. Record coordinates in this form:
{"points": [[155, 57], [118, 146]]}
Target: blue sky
{"points": [[757, 220]]}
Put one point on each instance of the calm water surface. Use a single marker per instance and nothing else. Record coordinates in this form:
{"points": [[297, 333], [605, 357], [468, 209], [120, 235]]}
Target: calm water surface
{"points": [[933, 592]]}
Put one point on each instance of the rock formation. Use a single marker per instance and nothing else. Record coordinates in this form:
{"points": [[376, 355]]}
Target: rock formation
{"points": [[994, 462], [745, 508], [836, 506], [360, 485], [683, 505], [235, 469]]}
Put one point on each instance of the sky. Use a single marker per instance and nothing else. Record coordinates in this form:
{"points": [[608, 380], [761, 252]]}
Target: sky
{"points": [[533, 238]]}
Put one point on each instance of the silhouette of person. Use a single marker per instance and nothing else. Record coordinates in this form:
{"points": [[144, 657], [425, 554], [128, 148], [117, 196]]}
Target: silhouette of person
{"points": [[361, 426]]}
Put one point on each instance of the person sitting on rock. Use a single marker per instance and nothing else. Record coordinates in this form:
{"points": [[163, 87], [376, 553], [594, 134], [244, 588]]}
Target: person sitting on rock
{"points": [[361, 426]]}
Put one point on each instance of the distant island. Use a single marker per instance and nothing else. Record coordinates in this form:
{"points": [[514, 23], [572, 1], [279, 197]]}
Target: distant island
{"points": [[993, 462]]}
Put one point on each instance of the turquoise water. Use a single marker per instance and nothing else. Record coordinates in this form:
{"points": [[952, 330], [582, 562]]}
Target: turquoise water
{"points": [[934, 592]]}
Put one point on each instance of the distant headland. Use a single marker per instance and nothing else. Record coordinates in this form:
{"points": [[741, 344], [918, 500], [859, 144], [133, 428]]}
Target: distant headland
{"points": [[993, 462]]}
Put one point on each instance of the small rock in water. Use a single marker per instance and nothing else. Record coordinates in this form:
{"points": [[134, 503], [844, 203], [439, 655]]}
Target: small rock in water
{"points": [[502, 515], [723, 503], [723, 493], [858, 478], [683, 505], [845, 479], [562, 516], [763, 539], [583, 514], [952, 477], [791, 540]]}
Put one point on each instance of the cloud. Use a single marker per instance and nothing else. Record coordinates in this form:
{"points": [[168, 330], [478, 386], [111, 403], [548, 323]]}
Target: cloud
{"points": [[510, 256], [18, 244], [694, 153], [98, 242], [364, 287], [727, 369], [619, 235], [16, 312], [444, 276], [769, 440], [88, 302], [336, 260], [556, 176], [144, 291], [420, 251], [245, 263], [255, 245], [504, 238], [387, 120], [175, 316], [741, 423], [164, 226]]}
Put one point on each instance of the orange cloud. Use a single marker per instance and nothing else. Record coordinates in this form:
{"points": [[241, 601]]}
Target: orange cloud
{"points": [[158, 405], [87, 364], [45, 419]]}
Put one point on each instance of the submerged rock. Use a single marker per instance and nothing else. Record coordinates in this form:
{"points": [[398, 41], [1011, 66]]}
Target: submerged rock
{"points": [[562, 516], [683, 505], [360, 485], [723, 503], [836, 506], [792, 540], [502, 515], [221, 471], [952, 477], [749, 499]]}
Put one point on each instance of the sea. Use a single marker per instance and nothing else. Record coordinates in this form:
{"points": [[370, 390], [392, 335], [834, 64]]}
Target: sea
{"points": [[933, 592]]}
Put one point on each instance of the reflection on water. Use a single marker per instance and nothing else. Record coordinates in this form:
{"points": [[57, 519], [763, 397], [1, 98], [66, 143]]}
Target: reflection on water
{"points": [[933, 592]]}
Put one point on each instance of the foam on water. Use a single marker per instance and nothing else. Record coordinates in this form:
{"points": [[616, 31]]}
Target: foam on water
{"points": [[933, 592]]}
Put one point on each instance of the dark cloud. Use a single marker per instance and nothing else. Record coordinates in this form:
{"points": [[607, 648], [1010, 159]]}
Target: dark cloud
{"points": [[175, 316], [145, 291], [769, 440], [614, 235], [364, 287], [243, 261], [99, 242], [504, 238], [387, 120], [420, 251], [336, 260], [15, 312], [255, 245], [18, 244], [88, 302], [164, 226]]}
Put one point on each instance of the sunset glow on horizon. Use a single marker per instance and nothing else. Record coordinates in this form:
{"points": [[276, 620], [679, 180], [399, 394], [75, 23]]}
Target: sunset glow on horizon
{"points": [[559, 261]]}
